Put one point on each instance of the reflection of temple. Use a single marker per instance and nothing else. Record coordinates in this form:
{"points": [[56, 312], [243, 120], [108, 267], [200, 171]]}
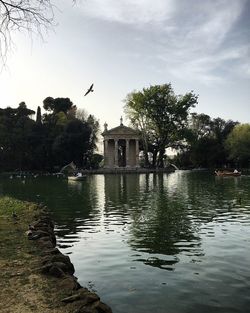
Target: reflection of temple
{"points": [[120, 189], [121, 147]]}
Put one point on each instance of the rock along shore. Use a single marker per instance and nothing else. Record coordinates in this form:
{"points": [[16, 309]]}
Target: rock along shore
{"points": [[53, 263]]}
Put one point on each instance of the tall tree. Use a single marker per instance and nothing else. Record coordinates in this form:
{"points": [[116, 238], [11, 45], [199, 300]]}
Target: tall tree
{"points": [[238, 144], [83, 116], [16, 126], [57, 105], [135, 111], [205, 141], [38, 115], [160, 115], [73, 144]]}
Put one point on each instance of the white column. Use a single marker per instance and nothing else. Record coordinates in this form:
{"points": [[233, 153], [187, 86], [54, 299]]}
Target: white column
{"points": [[106, 154], [137, 153], [127, 153], [116, 153]]}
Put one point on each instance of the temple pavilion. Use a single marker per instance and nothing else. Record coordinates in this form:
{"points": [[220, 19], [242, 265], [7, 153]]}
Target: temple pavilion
{"points": [[121, 147]]}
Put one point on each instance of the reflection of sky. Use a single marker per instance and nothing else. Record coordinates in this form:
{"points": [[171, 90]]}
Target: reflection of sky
{"points": [[147, 242]]}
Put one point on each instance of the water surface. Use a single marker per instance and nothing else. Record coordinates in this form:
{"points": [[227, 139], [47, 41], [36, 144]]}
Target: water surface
{"points": [[160, 243]]}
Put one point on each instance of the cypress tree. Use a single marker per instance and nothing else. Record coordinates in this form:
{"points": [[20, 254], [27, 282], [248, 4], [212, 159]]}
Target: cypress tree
{"points": [[38, 115]]}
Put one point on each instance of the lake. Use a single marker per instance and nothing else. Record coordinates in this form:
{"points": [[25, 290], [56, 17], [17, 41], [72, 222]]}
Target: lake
{"points": [[162, 243]]}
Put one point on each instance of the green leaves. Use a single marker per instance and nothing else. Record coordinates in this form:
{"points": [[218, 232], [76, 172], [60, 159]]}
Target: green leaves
{"points": [[206, 141], [238, 143], [54, 139], [160, 115]]}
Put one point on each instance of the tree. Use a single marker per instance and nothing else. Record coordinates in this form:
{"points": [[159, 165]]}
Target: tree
{"points": [[51, 141], [73, 143], [95, 160], [58, 114], [134, 110], [38, 115], [238, 144], [58, 105], [95, 128], [206, 140], [16, 127], [22, 110], [83, 116], [161, 116], [200, 125]]}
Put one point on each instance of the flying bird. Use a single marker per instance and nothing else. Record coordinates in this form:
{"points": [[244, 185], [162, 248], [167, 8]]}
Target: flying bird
{"points": [[89, 90]]}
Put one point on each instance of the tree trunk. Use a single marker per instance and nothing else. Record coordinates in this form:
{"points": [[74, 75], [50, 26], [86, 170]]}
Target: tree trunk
{"points": [[145, 150], [146, 161], [154, 158], [160, 158]]}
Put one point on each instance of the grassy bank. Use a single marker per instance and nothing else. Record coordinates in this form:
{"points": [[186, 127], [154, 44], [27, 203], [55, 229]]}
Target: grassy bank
{"points": [[23, 288], [14, 218]]}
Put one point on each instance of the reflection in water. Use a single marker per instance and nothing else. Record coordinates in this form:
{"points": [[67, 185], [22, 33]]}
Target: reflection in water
{"points": [[153, 241], [158, 220]]}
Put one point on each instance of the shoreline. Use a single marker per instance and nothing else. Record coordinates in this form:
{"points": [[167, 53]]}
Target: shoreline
{"points": [[40, 276], [118, 170]]}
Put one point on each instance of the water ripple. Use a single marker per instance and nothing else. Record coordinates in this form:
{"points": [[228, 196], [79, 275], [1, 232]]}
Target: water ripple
{"points": [[154, 243]]}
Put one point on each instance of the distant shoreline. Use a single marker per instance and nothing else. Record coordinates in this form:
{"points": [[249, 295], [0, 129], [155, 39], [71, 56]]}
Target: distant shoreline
{"points": [[21, 174]]}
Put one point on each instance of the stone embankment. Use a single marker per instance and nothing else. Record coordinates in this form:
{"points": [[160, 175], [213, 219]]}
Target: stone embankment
{"points": [[59, 266]]}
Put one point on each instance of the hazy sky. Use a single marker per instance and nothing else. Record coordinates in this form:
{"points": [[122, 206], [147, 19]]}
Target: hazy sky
{"points": [[123, 45]]}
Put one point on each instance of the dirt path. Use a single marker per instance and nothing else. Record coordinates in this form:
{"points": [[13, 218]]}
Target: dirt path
{"points": [[22, 287]]}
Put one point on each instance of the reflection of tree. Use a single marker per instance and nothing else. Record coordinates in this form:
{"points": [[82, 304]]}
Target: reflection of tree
{"points": [[210, 197], [163, 227], [179, 207], [77, 208], [164, 223], [71, 205], [159, 220]]}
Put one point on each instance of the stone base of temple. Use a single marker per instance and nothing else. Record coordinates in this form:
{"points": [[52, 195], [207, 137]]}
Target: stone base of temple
{"points": [[126, 170]]}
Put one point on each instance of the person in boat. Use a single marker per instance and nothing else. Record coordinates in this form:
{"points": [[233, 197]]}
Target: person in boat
{"points": [[236, 171], [79, 174], [218, 172]]}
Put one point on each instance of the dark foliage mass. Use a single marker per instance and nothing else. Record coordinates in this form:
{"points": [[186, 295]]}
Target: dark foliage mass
{"points": [[48, 142], [205, 144]]}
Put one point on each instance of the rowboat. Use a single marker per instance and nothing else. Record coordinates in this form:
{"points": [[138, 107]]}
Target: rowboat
{"points": [[227, 173], [76, 178]]}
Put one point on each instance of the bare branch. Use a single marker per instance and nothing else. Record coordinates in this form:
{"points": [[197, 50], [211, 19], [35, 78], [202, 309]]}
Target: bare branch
{"points": [[23, 15]]}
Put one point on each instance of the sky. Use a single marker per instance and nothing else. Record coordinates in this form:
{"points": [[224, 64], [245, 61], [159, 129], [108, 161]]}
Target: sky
{"points": [[126, 45]]}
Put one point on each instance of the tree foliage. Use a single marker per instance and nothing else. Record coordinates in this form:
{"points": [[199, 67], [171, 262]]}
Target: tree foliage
{"points": [[58, 105], [57, 137], [206, 141], [16, 126], [161, 116], [238, 144]]}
